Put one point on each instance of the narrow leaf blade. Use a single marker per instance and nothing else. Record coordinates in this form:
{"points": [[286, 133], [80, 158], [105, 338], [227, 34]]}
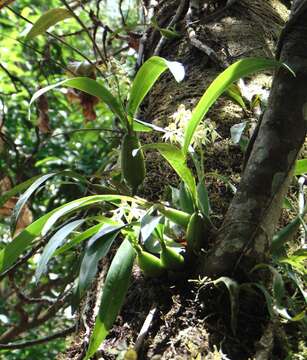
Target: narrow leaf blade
{"points": [[56, 240], [89, 86], [17, 189], [48, 19], [114, 292], [176, 159], [146, 77], [94, 252], [233, 73], [203, 199], [25, 197], [20, 243]]}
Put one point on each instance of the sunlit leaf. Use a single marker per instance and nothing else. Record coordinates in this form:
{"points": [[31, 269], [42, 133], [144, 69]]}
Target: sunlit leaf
{"points": [[300, 167], [233, 73], [236, 132], [89, 86], [176, 159], [139, 125], [79, 238], [48, 19], [148, 225], [298, 260], [10, 253], [146, 77], [235, 94]]}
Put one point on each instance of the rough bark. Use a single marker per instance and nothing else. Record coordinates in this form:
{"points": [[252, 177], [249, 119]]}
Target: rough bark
{"points": [[250, 28], [245, 237]]}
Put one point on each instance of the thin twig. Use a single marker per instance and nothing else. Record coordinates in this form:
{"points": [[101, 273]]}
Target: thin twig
{"points": [[58, 38], [96, 47], [15, 79], [74, 33], [144, 330], [38, 52], [29, 343], [121, 12], [179, 13]]}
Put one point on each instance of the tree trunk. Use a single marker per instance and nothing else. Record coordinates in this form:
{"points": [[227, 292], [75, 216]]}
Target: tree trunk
{"points": [[248, 28]]}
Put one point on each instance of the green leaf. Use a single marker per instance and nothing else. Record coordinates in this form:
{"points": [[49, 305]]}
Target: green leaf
{"points": [[139, 125], [48, 161], [48, 19], [296, 279], [176, 216], [35, 183], [98, 247], [233, 289], [113, 295], [176, 159], [268, 299], [275, 302], [91, 87], [146, 77], [17, 189], [79, 238], [203, 199], [25, 197], [233, 73], [169, 34], [300, 167], [234, 93], [278, 283], [56, 240], [284, 235], [148, 225], [297, 260], [185, 199], [19, 244]]}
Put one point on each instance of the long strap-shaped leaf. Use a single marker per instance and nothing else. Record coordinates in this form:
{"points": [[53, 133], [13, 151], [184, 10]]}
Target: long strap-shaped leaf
{"points": [[146, 77], [113, 295], [233, 73], [35, 183], [17, 246], [17, 189], [48, 19], [91, 87], [25, 197], [98, 247], [57, 240], [175, 158]]}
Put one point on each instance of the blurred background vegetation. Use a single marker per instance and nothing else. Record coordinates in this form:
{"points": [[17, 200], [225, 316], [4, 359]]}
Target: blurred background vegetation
{"points": [[65, 130]]}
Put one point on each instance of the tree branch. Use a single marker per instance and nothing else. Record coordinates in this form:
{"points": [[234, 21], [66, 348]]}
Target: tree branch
{"points": [[29, 343]]}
